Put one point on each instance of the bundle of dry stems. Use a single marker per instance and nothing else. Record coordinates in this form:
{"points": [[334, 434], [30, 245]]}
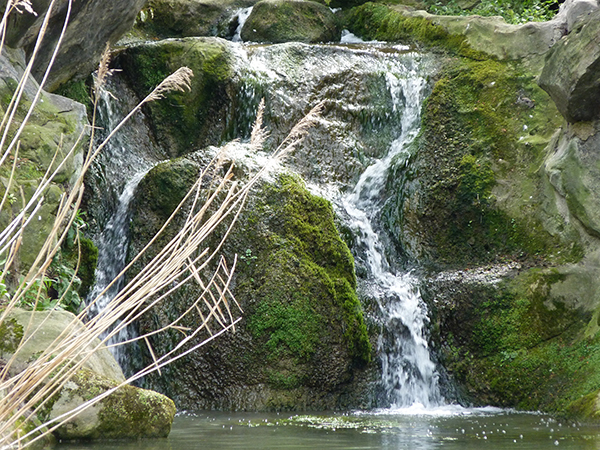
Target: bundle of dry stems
{"points": [[184, 259]]}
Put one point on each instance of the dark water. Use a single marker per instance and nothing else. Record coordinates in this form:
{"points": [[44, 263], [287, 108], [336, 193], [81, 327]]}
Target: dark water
{"points": [[443, 428]]}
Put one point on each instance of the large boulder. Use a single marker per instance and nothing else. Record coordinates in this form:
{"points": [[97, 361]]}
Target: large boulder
{"points": [[570, 74], [302, 342], [126, 413], [92, 24], [184, 18], [291, 20]]}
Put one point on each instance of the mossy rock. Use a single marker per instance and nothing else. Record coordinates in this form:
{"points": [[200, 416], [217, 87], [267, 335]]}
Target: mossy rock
{"points": [[519, 338], [302, 342], [185, 18], [472, 36], [184, 121], [56, 125], [278, 21], [127, 413], [472, 191]]}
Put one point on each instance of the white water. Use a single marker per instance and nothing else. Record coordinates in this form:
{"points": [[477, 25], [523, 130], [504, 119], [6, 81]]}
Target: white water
{"points": [[409, 376], [124, 164], [242, 16]]}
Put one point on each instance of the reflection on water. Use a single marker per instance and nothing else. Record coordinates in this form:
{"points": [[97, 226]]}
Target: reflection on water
{"points": [[448, 427]]}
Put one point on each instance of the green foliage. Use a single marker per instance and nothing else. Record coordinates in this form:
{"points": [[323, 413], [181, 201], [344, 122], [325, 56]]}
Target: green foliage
{"points": [[513, 11]]}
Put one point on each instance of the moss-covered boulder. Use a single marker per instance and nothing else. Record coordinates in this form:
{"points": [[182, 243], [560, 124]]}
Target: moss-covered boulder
{"points": [[302, 342], [184, 121], [56, 125], [471, 194], [570, 74], [127, 413], [291, 20], [474, 36], [184, 18]]}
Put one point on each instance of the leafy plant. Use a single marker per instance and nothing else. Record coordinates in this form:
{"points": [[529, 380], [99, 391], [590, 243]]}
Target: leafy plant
{"points": [[513, 11]]}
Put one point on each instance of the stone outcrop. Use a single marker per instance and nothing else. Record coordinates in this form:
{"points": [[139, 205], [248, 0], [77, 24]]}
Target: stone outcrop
{"points": [[92, 24], [126, 413], [570, 74], [185, 18], [291, 20]]}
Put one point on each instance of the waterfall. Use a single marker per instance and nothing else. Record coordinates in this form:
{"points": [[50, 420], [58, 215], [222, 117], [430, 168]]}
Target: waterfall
{"points": [[128, 156], [242, 16], [409, 375]]}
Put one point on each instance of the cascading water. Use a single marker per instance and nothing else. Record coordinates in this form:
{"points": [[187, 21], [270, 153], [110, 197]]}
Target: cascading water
{"points": [[409, 376], [242, 16], [123, 164]]}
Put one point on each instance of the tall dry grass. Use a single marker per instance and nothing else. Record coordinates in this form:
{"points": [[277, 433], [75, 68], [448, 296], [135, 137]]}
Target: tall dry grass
{"points": [[185, 259]]}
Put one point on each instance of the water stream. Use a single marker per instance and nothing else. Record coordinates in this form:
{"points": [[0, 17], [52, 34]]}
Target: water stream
{"points": [[409, 375], [128, 156]]}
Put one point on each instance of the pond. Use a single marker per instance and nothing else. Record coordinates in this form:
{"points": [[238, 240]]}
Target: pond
{"points": [[448, 427]]}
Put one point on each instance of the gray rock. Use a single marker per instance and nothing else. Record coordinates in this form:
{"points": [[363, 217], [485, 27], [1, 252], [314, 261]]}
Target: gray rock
{"points": [[570, 74], [45, 327], [92, 24], [185, 18], [572, 11], [291, 20]]}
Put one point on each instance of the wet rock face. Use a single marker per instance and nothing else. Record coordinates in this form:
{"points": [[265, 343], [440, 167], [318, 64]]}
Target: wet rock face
{"points": [[570, 74], [183, 18], [92, 24], [302, 342], [291, 20]]}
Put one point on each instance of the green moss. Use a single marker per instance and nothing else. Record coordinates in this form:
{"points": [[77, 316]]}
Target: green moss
{"points": [[183, 121], [78, 90], [380, 22], [485, 126], [11, 333], [521, 347]]}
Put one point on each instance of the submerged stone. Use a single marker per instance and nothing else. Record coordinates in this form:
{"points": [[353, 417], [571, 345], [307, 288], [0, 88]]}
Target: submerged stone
{"points": [[291, 20]]}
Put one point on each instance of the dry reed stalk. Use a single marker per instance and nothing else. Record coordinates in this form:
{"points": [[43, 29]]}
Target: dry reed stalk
{"points": [[184, 259]]}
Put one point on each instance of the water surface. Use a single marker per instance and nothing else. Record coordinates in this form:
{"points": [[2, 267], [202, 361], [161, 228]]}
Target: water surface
{"points": [[439, 428]]}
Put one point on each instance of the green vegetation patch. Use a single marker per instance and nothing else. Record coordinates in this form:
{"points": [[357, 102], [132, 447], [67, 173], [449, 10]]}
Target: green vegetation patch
{"points": [[518, 346], [473, 183], [302, 280], [513, 11], [380, 22], [183, 121]]}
